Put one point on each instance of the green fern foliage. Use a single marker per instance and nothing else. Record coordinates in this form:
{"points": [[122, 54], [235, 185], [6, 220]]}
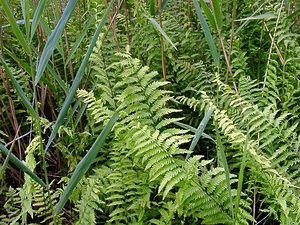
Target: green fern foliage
{"points": [[149, 151], [143, 174]]}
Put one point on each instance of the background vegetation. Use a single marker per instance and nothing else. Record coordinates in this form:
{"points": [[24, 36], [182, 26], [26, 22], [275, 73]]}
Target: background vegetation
{"points": [[149, 112]]}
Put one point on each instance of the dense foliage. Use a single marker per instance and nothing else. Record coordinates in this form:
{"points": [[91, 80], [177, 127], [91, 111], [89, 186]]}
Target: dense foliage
{"points": [[149, 112]]}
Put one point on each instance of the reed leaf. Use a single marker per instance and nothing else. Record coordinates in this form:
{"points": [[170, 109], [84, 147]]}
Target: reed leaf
{"points": [[226, 168], [85, 163], [18, 163], [37, 16], [208, 36], [199, 132], [218, 12], [53, 39], [76, 81], [157, 26], [19, 90], [19, 34]]}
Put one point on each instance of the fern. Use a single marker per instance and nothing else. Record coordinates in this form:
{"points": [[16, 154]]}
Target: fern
{"points": [[141, 174], [272, 131], [146, 141], [12, 207], [90, 201]]}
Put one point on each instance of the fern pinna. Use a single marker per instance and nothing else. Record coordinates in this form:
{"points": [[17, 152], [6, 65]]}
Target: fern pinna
{"points": [[149, 181]]}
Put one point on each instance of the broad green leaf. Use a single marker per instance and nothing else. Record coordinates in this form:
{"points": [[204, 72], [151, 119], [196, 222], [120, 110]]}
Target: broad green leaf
{"points": [[85, 163], [207, 34], [53, 39], [152, 7], [21, 165], [218, 12], [258, 17], [209, 15], [157, 26], [37, 16], [76, 81], [199, 132], [10, 17], [19, 90], [48, 31]]}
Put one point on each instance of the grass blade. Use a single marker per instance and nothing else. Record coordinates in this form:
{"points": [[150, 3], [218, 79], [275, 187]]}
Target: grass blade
{"points": [[77, 80], [208, 14], [85, 163], [53, 39], [247, 21], [19, 90], [19, 34], [199, 132], [26, 14], [80, 113], [23, 64], [207, 34], [79, 39], [58, 79], [218, 13], [37, 16], [241, 177], [193, 129], [21, 165], [26, 68], [226, 168], [5, 163], [164, 5], [48, 31], [186, 126], [258, 17], [156, 25]]}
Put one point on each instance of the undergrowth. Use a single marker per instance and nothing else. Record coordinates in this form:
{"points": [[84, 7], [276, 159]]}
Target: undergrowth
{"points": [[196, 141]]}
